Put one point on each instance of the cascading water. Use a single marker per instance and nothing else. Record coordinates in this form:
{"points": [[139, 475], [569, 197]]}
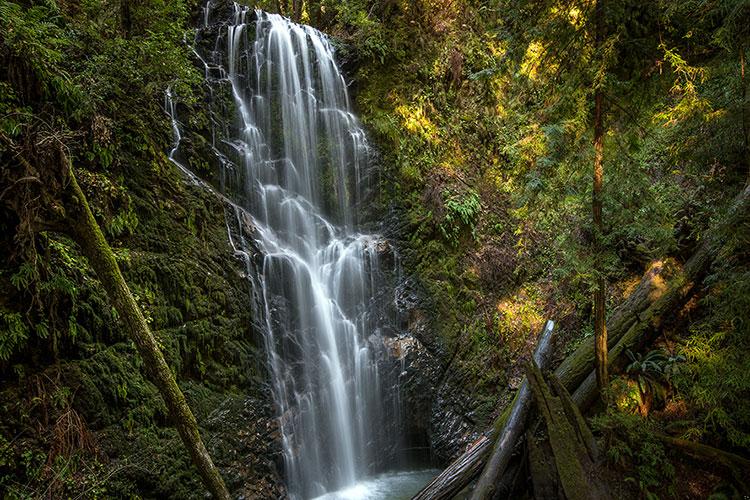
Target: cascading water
{"points": [[294, 161]]}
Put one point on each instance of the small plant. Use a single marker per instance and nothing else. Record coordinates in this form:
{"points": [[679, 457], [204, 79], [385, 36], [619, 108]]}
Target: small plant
{"points": [[631, 446], [461, 213], [652, 373]]}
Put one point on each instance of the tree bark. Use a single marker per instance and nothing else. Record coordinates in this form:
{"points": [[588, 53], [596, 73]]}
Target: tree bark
{"points": [[600, 325], [514, 427], [297, 10], [582, 430], [99, 254], [542, 469]]}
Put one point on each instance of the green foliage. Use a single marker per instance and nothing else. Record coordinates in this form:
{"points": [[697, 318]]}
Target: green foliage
{"points": [[98, 72], [716, 380], [653, 371], [35, 45], [13, 333], [461, 214], [630, 445]]}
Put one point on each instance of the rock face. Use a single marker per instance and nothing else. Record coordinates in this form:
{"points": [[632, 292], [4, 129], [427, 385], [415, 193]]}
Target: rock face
{"points": [[437, 406], [246, 444]]}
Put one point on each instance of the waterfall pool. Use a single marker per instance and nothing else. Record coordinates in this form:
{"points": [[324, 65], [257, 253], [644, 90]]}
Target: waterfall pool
{"points": [[401, 485]]}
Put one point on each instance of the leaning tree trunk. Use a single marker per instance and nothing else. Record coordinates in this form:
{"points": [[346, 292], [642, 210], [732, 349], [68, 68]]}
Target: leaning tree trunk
{"points": [[508, 427], [514, 427], [99, 254]]}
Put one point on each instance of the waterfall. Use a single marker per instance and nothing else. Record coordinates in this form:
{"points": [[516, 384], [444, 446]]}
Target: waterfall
{"points": [[294, 161]]}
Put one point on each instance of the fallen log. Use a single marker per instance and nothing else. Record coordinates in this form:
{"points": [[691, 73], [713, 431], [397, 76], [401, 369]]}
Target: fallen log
{"points": [[576, 418], [458, 474], [576, 367], [641, 331], [513, 428], [575, 469], [662, 289], [508, 426], [738, 466], [542, 469]]}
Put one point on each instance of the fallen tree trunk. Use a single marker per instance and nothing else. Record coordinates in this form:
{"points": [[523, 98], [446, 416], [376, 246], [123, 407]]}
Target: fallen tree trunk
{"points": [[575, 468], [738, 466], [99, 254], [458, 474], [514, 427], [542, 470], [576, 367], [509, 425]]}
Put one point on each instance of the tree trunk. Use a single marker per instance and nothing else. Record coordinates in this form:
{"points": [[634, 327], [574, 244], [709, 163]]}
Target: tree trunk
{"points": [[509, 425], [738, 466], [575, 469], [458, 474], [542, 469], [600, 325], [576, 367], [99, 254], [126, 18], [661, 291], [514, 427], [297, 8], [582, 430]]}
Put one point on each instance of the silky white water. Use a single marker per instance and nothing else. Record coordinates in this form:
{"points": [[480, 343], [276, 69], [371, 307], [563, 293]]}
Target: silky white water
{"points": [[295, 163]]}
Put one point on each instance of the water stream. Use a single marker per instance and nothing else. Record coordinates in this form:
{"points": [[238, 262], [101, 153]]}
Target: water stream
{"points": [[296, 164]]}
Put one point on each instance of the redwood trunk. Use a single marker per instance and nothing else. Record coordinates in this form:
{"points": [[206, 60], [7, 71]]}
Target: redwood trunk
{"points": [[600, 325]]}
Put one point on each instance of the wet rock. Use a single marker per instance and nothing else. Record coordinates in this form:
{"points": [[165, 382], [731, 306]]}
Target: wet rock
{"points": [[245, 442], [437, 405]]}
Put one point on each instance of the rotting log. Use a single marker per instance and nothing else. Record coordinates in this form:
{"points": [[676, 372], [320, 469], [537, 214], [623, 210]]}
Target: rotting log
{"points": [[576, 367], [94, 246], [458, 474], [508, 426], [738, 466], [662, 288], [575, 469], [576, 418], [541, 469], [514, 426]]}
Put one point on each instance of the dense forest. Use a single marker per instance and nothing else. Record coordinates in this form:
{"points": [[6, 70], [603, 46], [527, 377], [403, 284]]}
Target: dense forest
{"points": [[374, 249]]}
